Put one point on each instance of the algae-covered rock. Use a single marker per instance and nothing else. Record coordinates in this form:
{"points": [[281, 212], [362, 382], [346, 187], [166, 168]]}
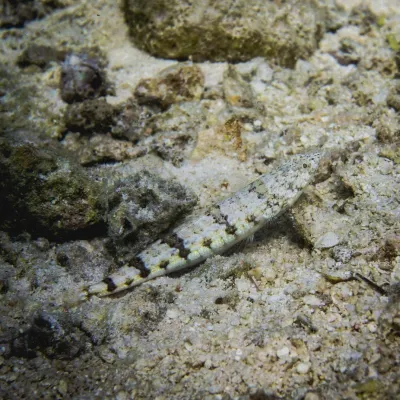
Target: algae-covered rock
{"points": [[43, 191], [142, 206], [100, 148], [131, 119], [226, 31], [123, 121], [172, 85], [97, 131], [90, 116]]}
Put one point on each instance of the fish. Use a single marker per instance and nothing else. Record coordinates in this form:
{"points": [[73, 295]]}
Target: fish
{"points": [[218, 228]]}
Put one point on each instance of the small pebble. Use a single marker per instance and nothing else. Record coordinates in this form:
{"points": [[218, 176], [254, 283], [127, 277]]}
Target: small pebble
{"points": [[248, 127], [121, 395], [283, 352], [269, 275], [42, 244], [63, 388], [172, 313], [313, 301], [238, 355], [107, 355], [326, 241], [11, 377], [311, 396], [303, 368], [342, 254], [215, 389]]}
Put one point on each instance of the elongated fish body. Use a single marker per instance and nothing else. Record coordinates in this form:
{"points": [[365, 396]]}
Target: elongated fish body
{"points": [[219, 228]]}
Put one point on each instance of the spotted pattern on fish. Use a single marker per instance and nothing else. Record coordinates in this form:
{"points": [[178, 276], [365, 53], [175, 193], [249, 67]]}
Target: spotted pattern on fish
{"points": [[219, 228]]}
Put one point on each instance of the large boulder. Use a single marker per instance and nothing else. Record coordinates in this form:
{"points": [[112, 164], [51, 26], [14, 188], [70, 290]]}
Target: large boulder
{"points": [[224, 30]]}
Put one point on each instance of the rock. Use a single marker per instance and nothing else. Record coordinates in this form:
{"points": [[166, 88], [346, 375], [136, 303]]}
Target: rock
{"points": [[391, 249], [123, 121], [397, 60], [84, 259], [303, 368], [141, 207], [349, 52], [259, 394], [54, 335], [130, 120], [237, 91], [19, 98], [7, 275], [39, 55], [225, 138], [90, 116], [313, 301], [327, 240], [43, 191], [369, 386], [83, 77], [227, 133], [42, 244], [145, 314], [342, 254], [101, 132], [389, 320], [317, 224], [387, 127], [283, 352], [15, 13], [220, 268], [226, 31], [100, 148], [392, 152], [364, 18], [172, 85], [7, 251], [393, 99], [312, 396], [175, 131]]}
